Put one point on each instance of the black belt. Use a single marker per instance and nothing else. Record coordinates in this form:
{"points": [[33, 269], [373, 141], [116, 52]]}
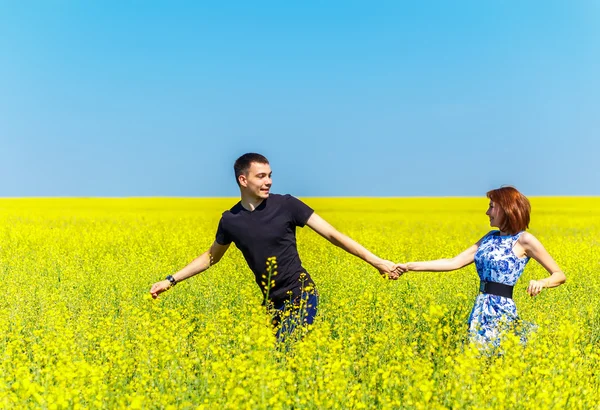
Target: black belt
{"points": [[495, 288]]}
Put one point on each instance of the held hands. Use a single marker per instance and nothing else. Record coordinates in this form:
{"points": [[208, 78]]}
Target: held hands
{"points": [[535, 287], [390, 269], [159, 287], [401, 267]]}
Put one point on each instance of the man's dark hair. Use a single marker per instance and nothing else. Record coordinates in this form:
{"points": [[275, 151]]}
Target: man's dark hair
{"points": [[242, 164]]}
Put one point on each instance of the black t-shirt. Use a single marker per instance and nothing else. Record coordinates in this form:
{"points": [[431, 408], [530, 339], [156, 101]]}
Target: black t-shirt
{"points": [[269, 231]]}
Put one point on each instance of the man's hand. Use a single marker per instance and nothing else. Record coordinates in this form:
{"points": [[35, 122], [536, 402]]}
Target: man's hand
{"points": [[159, 287], [390, 269]]}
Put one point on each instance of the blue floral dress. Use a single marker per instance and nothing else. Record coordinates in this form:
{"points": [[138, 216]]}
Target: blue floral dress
{"points": [[492, 314]]}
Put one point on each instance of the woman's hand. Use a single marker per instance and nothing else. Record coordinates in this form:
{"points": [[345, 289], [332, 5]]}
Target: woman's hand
{"points": [[535, 287], [401, 267]]}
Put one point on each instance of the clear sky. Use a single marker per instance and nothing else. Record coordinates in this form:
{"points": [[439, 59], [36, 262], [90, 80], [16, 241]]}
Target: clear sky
{"points": [[346, 98]]}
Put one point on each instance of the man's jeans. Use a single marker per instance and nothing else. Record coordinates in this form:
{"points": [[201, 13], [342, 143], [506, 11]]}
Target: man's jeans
{"points": [[299, 312]]}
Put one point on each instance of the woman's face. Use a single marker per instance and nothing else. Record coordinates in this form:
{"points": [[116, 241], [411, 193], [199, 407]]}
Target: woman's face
{"points": [[496, 215]]}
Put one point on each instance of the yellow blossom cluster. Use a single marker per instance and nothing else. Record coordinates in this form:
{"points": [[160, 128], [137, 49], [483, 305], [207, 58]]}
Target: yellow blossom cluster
{"points": [[78, 328]]}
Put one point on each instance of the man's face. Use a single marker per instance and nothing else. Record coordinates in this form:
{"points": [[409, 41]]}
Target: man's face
{"points": [[257, 181]]}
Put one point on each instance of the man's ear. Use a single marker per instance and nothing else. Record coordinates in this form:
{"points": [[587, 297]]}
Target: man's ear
{"points": [[243, 180]]}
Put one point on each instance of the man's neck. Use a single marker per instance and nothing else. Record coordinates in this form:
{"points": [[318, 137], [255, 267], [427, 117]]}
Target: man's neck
{"points": [[251, 203]]}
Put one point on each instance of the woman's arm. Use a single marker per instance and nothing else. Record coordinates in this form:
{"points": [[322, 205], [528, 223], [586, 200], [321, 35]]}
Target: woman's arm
{"points": [[461, 260], [534, 249], [444, 265]]}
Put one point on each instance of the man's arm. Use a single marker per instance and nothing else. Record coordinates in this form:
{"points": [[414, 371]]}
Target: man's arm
{"points": [[200, 264], [320, 226]]}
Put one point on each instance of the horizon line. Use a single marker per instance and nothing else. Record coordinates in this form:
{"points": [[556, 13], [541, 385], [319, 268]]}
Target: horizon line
{"points": [[298, 196]]}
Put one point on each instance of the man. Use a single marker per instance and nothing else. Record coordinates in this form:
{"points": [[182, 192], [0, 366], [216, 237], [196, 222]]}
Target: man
{"points": [[263, 227]]}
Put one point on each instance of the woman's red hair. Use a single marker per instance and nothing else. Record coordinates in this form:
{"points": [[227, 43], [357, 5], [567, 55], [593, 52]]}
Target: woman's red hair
{"points": [[516, 208]]}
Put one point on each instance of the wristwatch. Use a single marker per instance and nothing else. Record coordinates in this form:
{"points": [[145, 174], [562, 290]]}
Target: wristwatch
{"points": [[171, 279]]}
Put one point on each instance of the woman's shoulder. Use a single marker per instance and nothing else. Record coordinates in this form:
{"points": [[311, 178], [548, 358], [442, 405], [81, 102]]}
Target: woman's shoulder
{"points": [[526, 238]]}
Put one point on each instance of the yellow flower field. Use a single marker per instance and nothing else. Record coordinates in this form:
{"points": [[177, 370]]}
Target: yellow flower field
{"points": [[78, 328]]}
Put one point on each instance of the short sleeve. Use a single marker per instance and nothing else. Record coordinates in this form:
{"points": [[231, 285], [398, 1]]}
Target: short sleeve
{"points": [[222, 236], [299, 211]]}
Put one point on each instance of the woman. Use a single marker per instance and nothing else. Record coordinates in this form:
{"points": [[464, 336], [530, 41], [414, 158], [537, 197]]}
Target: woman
{"points": [[500, 257]]}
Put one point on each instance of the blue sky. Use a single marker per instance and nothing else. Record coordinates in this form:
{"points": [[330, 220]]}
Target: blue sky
{"points": [[346, 98]]}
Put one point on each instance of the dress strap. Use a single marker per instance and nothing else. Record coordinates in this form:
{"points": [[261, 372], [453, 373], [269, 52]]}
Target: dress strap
{"points": [[516, 237], [492, 233]]}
